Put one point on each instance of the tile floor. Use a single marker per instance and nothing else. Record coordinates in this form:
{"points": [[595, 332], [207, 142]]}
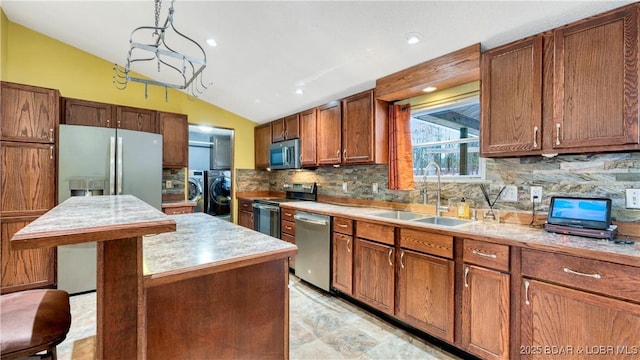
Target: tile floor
{"points": [[323, 326]]}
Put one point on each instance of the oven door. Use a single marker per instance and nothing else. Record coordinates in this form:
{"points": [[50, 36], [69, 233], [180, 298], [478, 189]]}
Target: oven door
{"points": [[266, 219]]}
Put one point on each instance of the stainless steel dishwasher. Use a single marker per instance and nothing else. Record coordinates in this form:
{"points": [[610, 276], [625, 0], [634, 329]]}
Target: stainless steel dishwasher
{"points": [[313, 238]]}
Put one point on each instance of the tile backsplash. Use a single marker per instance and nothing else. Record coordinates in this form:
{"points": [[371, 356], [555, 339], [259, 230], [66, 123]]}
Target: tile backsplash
{"points": [[601, 175]]}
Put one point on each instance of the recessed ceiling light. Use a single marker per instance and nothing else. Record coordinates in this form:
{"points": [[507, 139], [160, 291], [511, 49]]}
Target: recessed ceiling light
{"points": [[430, 89], [413, 38], [299, 91], [212, 42]]}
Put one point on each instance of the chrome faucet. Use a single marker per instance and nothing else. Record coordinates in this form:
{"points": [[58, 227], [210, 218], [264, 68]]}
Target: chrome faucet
{"points": [[424, 189]]}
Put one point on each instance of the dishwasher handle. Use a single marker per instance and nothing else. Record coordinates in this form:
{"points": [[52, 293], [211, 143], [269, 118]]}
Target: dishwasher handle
{"points": [[266, 207], [311, 221]]}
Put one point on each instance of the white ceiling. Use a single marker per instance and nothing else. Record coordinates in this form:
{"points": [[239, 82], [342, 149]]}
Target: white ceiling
{"points": [[330, 49]]}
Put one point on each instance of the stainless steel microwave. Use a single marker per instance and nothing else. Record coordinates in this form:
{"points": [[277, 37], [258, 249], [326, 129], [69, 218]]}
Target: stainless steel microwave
{"points": [[285, 155]]}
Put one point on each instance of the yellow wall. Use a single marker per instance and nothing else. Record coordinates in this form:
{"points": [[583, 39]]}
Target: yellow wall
{"points": [[32, 58], [3, 42]]}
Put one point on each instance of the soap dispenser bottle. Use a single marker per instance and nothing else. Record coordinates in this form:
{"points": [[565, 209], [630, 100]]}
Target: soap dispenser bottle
{"points": [[463, 210]]}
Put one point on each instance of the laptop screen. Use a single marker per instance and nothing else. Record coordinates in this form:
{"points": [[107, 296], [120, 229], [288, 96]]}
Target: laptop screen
{"points": [[591, 213]]}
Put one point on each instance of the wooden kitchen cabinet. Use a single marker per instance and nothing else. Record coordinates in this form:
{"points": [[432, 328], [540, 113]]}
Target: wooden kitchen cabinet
{"points": [[374, 274], [342, 255], [29, 113], [595, 83], [88, 113], [262, 137], [174, 129], [329, 140], [308, 138], [511, 91], [136, 119], [288, 230], [285, 128], [364, 129], [245, 213]]}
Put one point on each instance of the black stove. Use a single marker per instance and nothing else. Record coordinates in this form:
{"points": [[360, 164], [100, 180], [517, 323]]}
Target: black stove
{"points": [[266, 211]]}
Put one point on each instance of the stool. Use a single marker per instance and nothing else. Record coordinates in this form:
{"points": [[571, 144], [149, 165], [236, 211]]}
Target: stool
{"points": [[32, 321]]}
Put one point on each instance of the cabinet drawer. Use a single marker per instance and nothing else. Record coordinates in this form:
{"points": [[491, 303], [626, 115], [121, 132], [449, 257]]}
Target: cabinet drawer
{"points": [[493, 256], [343, 225], [287, 214], [178, 210], [419, 240], [245, 205], [621, 281], [288, 227], [376, 232]]}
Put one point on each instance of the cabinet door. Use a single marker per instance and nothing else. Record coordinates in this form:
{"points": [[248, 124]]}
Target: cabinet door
{"points": [[308, 138], [511, 91], [580, 324], [28, 178], [28, 113], [329, 142], [485, 312], [292, 126], [24, 269], [343, 263], [175, 140], [88, 113], [596, 82], [262, 135], [357, 129], [137, 119], [374, 275], [277, 130], [245, 219], [425, 293]]}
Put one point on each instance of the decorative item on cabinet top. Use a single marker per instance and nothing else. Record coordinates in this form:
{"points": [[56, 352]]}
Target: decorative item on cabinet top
{"points": [[159, 44]]}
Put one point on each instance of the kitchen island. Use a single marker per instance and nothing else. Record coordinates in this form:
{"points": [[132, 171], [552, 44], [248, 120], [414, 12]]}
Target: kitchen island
{"points": [[208, 290]]}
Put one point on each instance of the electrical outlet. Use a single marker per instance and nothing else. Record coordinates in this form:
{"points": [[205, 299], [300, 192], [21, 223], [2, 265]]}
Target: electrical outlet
{"points": [[633, 198], [536, 194], [510, 193], [374, 188], [344, 187], [168, 184]]}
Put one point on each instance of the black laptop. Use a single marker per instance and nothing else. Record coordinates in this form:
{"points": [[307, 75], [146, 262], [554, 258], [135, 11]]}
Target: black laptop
{"points": [[589, 217]]}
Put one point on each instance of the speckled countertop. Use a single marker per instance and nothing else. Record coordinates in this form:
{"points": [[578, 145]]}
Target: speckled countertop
{"points": [[509, 234], [202, 244], [92, 218]]}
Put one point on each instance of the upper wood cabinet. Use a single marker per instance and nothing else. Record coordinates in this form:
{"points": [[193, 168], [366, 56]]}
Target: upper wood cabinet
{"points": [[364, 129], [511, 106], [88, 113], [175, 139], [308, 138], [29, 113], [286, 128], [570, 90], [137, 119], [595, 83], [262, 140], [329, 140]]}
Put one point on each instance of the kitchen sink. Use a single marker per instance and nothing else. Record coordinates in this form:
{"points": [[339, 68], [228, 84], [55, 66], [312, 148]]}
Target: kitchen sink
{"points": [[444, 221], [399, 215]]}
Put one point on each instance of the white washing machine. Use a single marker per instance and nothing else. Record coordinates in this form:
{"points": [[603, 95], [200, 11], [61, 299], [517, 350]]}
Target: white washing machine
{"points": [[196, 187]]}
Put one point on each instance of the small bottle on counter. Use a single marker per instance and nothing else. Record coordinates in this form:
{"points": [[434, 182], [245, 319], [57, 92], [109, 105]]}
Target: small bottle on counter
{"points": [[464, 212]]}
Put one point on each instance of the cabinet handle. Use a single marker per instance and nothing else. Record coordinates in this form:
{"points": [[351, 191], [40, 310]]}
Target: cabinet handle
{"points": [[118, 123], [51, 135], [301, 158], [338, 154], [466, 275], [569, 271], [342, 225], [51, 155], [348, 244], [108, 123], [389, 256], [476, 252], [526, 293], [401, 259], [557, 134], [288, 227], [286, 134], [344, 154], [535, 137]]}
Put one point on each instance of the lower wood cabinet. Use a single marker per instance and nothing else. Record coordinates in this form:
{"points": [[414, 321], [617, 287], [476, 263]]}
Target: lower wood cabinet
{"points": [[559, 322], [343, 263], [374, 274], [485, 312], [245, 213], [288, 230], [425, 293]]}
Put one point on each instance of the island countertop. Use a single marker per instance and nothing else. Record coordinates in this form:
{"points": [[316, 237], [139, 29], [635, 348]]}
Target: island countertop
{"points": [[92, 218], [204, 244]]}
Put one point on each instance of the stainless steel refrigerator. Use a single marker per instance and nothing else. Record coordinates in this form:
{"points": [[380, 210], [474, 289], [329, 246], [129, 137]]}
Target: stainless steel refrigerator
{"points": [[101, 161]]}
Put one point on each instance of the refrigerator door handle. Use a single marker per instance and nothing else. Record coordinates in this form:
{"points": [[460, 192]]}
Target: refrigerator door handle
{"points": [[112, 166], [119, 169]]}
